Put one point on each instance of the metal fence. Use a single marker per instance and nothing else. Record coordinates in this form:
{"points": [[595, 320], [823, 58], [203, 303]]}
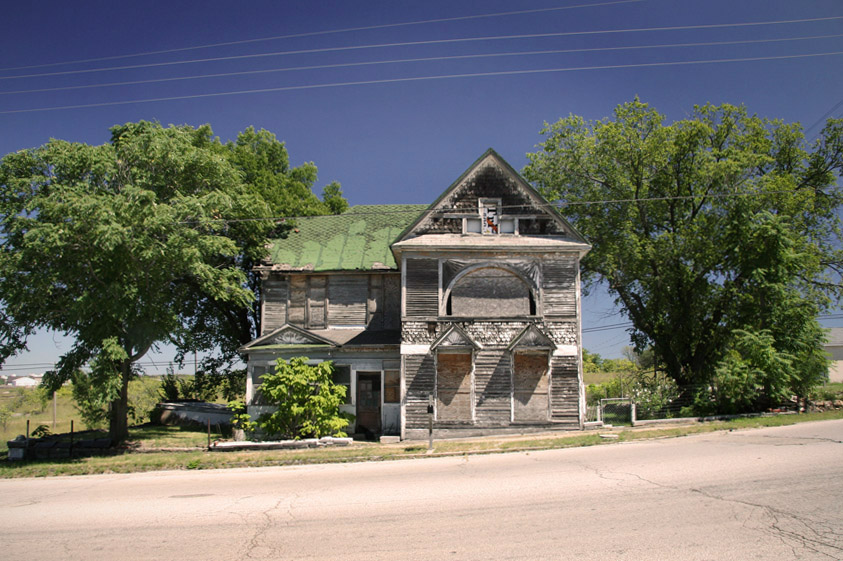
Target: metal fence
{"points": [[617, 411]]}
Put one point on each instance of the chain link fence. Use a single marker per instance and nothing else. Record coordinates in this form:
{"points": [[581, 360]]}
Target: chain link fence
{"points": [[617, 411]]}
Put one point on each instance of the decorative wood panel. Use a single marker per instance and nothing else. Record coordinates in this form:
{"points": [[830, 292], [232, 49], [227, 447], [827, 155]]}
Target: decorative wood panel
{"points": [[530, 387], [297, 308], [316, 302], [347, 299], [453, 387], [559, 284], [274, 294], [422, 288]]}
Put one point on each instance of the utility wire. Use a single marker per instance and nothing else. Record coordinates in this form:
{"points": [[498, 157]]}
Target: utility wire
{"points": [[424, 59], [455, 210], [326, 32], [417, 79], [417, 43]]}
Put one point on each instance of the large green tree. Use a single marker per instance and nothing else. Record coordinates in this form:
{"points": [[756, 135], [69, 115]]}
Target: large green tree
{"points": [[128, 245], [263, 165], [720, 222]]}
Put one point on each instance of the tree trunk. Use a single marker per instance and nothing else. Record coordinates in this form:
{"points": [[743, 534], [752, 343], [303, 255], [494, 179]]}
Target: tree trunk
{"points": [[118, 428]]}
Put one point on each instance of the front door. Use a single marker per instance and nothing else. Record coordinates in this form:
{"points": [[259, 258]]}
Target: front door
{"points": [[369, 402]]}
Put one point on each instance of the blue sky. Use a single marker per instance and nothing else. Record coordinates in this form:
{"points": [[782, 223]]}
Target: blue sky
{"points": [[343, 83]]}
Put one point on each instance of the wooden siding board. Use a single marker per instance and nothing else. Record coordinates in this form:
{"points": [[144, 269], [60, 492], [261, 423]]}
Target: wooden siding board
{"points": [[422, 288], [392, 302], [347, 299], [419, 380], [296, 309], [374, 307], [274, 294], [559, 287], [492, 386], [564, 390], [316, 292]]}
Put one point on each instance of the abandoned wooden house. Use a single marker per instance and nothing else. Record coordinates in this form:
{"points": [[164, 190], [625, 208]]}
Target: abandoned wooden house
{"points": [[471, 304]]}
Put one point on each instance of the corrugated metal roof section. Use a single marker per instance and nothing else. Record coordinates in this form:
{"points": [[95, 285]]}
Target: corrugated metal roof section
{"points": [[357, 240]]}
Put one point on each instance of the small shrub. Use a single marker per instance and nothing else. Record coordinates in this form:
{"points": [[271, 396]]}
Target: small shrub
{"points": [[308, 400], [242, 420], [41, 431]]}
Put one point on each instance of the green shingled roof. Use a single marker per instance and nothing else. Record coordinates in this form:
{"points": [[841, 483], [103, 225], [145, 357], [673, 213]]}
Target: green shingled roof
{"points": [[358, 239]]}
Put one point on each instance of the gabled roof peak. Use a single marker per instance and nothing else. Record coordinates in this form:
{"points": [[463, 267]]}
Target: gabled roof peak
{"points": [[490, 177]]}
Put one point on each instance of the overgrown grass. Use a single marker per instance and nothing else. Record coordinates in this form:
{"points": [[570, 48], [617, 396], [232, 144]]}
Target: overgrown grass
{"points": [[173, 437]]}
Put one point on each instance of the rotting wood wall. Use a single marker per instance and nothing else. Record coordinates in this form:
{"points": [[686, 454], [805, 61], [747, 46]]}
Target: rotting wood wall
{"points": [[327, 300]]}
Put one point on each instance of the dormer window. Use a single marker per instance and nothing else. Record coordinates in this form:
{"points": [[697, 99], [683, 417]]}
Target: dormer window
{"points": [[490, 220]]}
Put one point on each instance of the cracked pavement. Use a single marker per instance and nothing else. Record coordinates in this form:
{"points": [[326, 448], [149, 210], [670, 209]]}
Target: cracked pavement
{"points": [[774, 493]]}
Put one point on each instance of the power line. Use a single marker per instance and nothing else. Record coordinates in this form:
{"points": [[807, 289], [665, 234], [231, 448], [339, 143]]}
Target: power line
{"points": [[825, 116], [417, 43], [424, 59], [458, 210], [327, 32], [608, 327], [417, 79]]}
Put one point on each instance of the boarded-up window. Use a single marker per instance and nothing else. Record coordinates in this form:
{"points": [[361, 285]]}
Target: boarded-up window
{"points": [[453, 387], [490, 293], [347, 298], [391, 386], [530, 385]]}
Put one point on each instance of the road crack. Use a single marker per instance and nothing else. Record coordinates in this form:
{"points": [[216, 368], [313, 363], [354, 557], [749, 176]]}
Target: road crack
{"points": [[794, 531]]}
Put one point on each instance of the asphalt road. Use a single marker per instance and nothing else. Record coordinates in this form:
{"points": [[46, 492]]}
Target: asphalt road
{"points": [[755, 494]]}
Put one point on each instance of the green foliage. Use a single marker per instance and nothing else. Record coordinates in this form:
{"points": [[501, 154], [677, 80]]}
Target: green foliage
{"points": [[170, 390], [5, 414], [241, 419], [263, 166], [41, 431], [654, 395], [230, 385], [308, 400], [113, 244], [93, 393], [32, 400], [753, 376], [720, 222], [593, 362]]}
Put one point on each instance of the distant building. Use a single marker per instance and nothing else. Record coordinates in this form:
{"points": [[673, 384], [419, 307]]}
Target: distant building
{"points": [[834, 347], [24, 381]]}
